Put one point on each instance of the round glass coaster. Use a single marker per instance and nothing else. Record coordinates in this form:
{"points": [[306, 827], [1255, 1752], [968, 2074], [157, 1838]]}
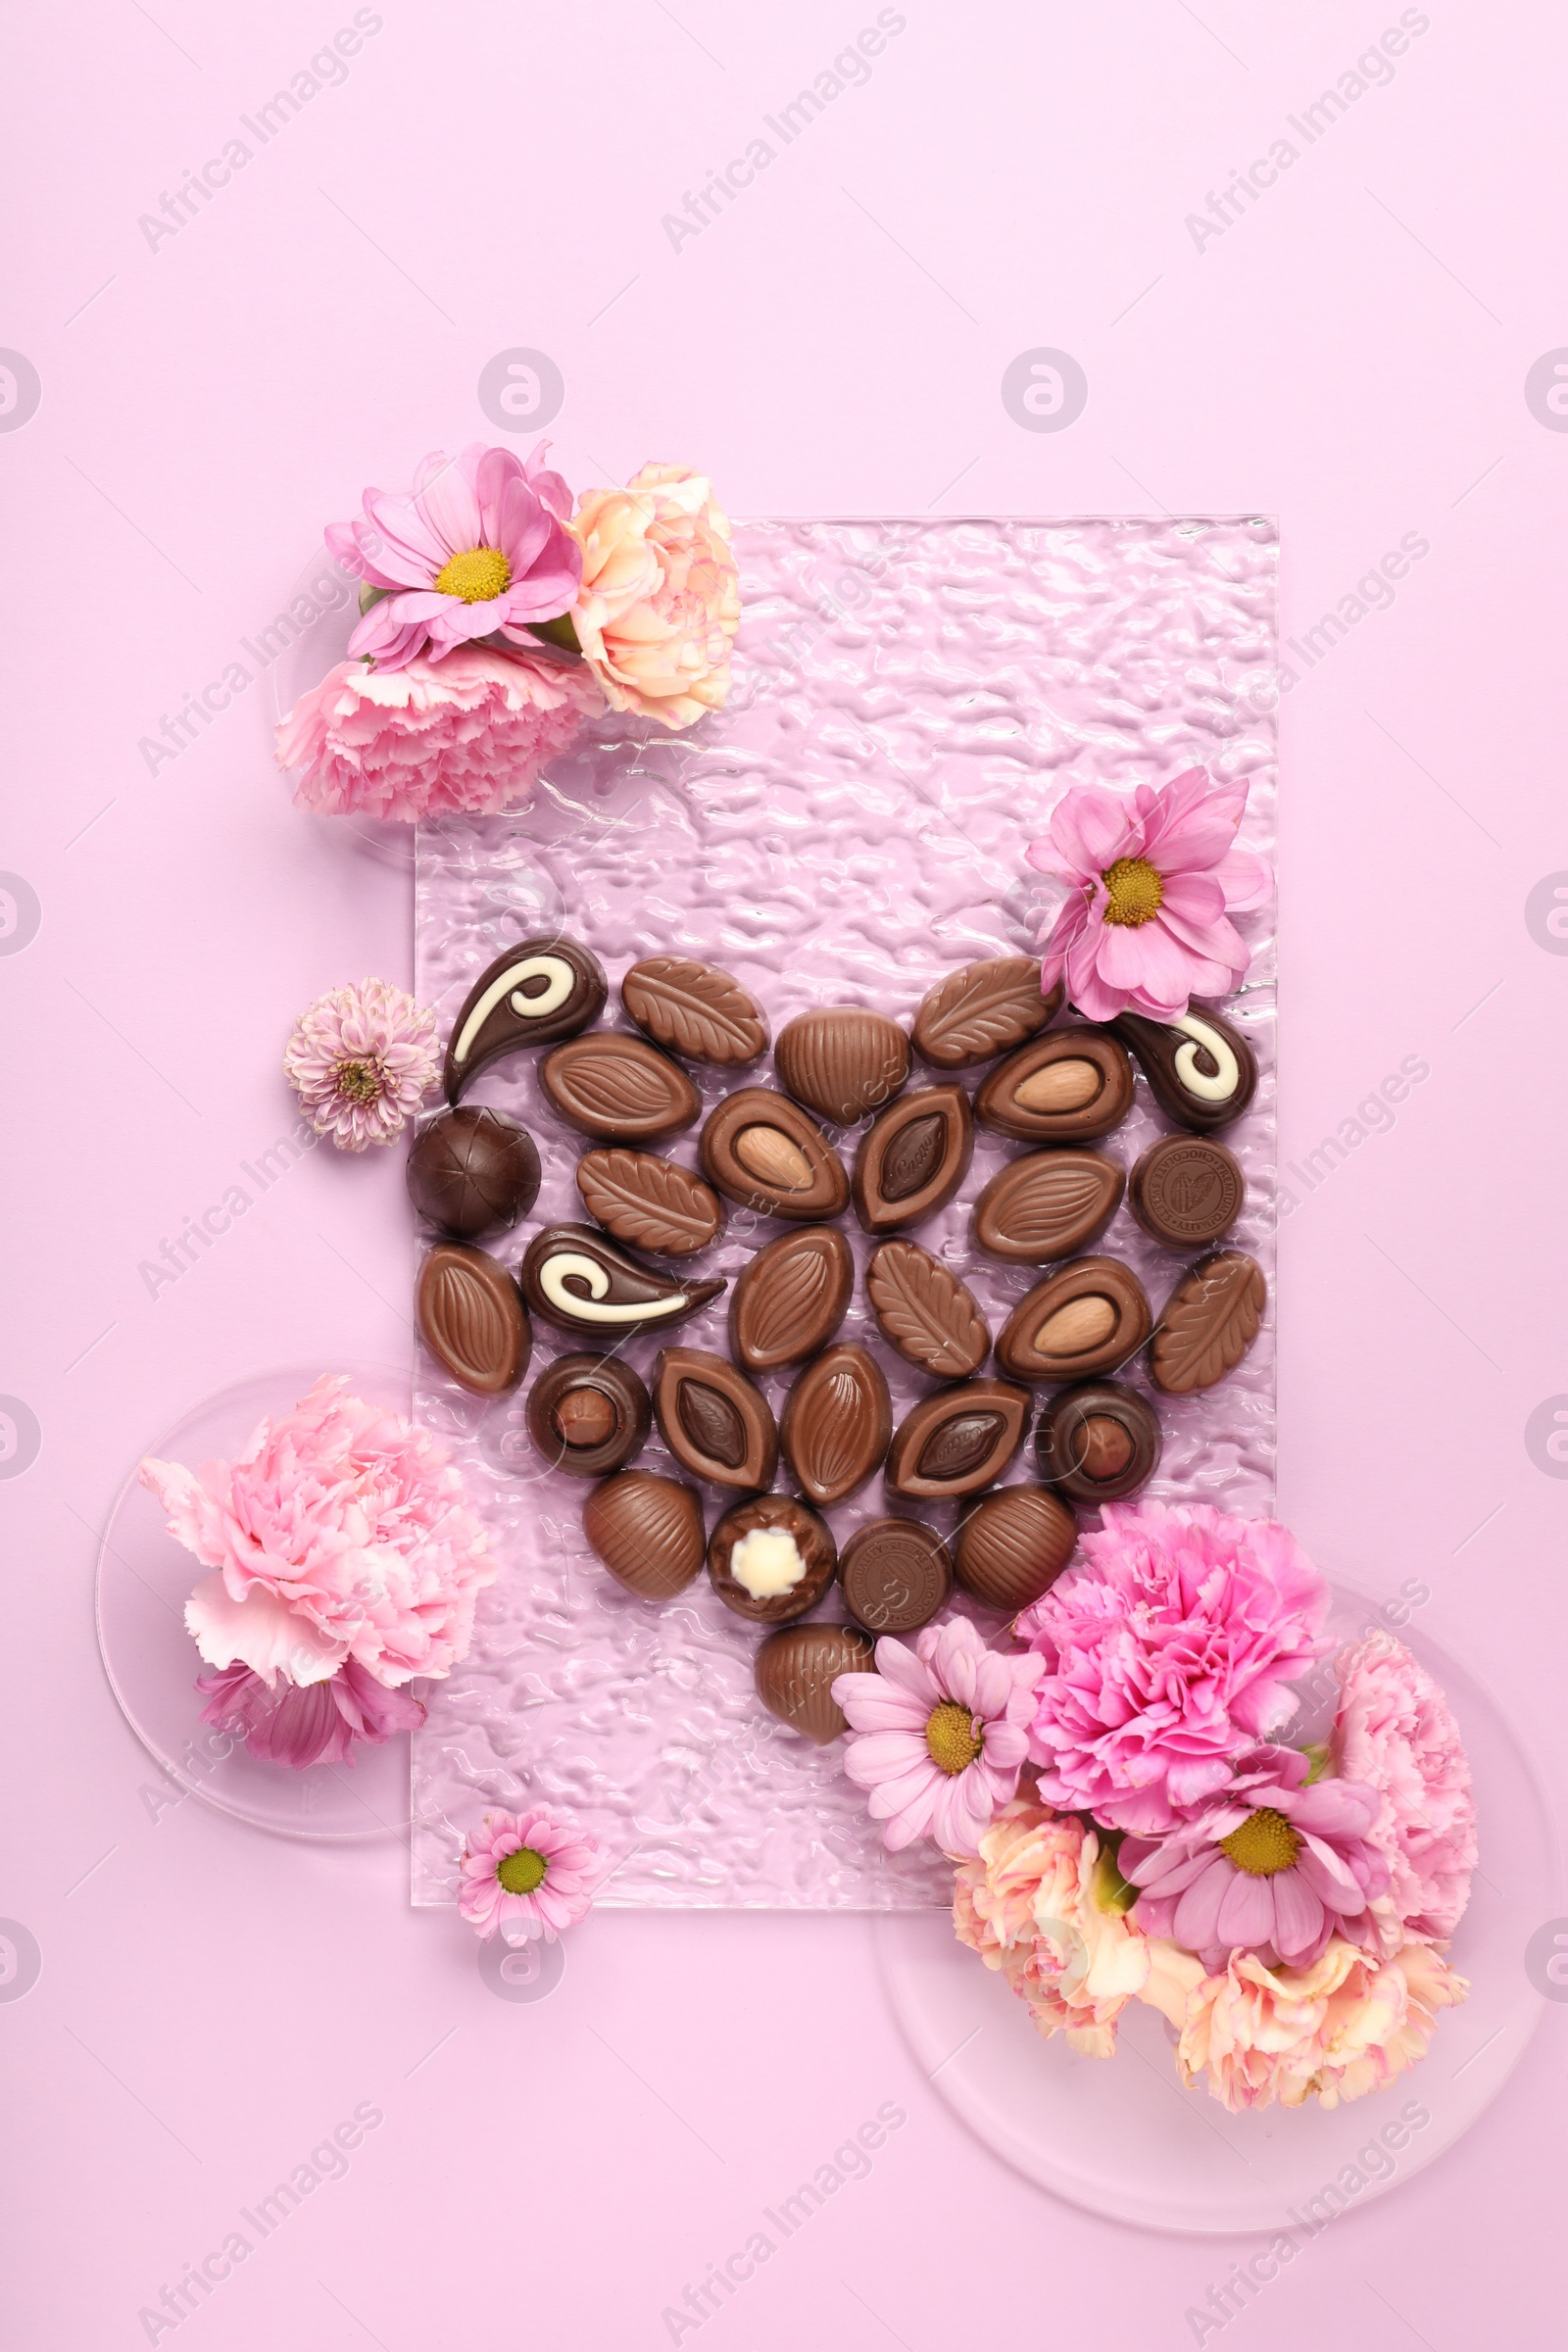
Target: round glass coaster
{"points": [[1122, 2137], [144, 1578]]}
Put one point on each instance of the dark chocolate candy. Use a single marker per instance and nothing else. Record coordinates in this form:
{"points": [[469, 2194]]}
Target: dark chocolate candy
{"points": [[837, 1422], [791, 1298], [575, 1279], [715, 1422], [771, 1559], [925, 1311], [648, 1531], [896, 1575], [535, 994], [843, 1061], [1047, 1204], [1201, 1071], [958, 1439], [472, 1319], [471, 1170], [1098, 1442], [620, 1088], [695, 1010], [1186, 1190], [649, 1202], [796, 1669], [981, 1010], [761, 1148], [1088, 1317], [1071, 1087], [588, 1415], [1211, 1322], [1012, 1546], [912, 1159]]}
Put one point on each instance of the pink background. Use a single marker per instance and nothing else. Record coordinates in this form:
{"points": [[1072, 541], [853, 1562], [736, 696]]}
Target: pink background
{"points": [[1349, 352]]}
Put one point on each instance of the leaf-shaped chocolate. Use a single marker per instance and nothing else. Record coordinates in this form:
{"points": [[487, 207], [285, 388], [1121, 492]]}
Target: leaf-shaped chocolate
{"points": [[471, 1318], [837, 1423], [649, 1202], [613, 1085], [982, 1010], [926, 1312], [792, 1298], [696, 1010], [1047, 1204], [1212, 1321]]}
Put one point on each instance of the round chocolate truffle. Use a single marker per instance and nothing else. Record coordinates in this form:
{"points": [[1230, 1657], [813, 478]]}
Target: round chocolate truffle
{"points": [[1098, 1442], [471, 1170], [588, 1415], [771, 1559]]}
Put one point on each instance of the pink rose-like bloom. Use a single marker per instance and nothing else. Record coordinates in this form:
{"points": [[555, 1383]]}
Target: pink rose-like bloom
{"points": [[1033, 1906], [531, 1873], [469, 738], [1155, 878], [478, 545], [1169, 1652], [660, 599], [362, 1061], [1393, 1730], [940, 1734], [314, 1722]]}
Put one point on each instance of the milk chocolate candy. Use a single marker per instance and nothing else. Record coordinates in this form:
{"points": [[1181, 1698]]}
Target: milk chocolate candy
{"points": [[958, 1439], [1186, 1190], [471, 1170], [791, 1298], [1047, 1204], [648, 1531], [1201, 1071], [695, 1010], [796, 1669], [981, 1010], [619, 1089], [913, 1160], [649, 1202], [896, 1575], [1089, 1317], [575, 1279], [535, 994], [760, 1149], [1071, 1087], [472, 1319], [1098, 1442], [770, 1559], [588, 1415], [925, 1311], [716, 1424], [1209, 1324], [1012, 1547], [837, 1422], [843, 1061]]}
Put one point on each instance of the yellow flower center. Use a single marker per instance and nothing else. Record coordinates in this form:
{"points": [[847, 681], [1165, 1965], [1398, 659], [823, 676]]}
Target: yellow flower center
{"points": [[1133, 890], [1263, 1845], [476, 575], [952, 1737], [361, 1080], [520, 1873]]}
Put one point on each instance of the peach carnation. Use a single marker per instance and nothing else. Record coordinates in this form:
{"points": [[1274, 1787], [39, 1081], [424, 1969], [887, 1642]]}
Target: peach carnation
{"points": [[660, 601]]}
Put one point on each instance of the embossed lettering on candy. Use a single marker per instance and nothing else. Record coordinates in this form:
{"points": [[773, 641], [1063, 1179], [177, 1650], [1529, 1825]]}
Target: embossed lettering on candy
{"points": [[534, 994], [575, 1279]]}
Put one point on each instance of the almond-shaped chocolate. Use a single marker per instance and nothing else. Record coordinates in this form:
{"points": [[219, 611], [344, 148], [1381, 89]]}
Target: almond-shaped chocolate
{"points": [[1071, 1087], [620, 1088], [771, 1559], [843, 1061], [1012, 1547], [588, 1415], [982, 1010], [796, 1669], [957, 1440], [1187, 1190], [761, 1149], [649, 1202], [575, 1279], [695, 1010], [535, 994], [472, 1319], [925, 1311], [1088, 1317], [1098, 1442], [837, 1422], [913, 1158], [648, 1531], [471, 1170], [715, 1422], [791, 1298], [1209, 1324], [1047, 1204], [896, 1575], [1201, 1071]]}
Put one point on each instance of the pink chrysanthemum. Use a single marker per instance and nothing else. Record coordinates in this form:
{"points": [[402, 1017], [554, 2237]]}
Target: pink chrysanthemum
{"points": [[528, 1874], [1394, 1731], [362, 1061], [940, 1734], [314, 1722]]}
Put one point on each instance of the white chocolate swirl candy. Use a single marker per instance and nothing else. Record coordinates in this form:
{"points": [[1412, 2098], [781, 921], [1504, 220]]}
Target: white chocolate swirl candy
{"points": [[1201, 1071], [538, 992], [576, 1279]]}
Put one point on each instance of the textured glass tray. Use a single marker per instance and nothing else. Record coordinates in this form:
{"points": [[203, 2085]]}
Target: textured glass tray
{"points": [[911, 698]]}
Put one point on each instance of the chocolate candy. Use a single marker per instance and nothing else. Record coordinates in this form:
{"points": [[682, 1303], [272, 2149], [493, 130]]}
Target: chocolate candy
{"points": [[535, 994], [837, 1423], [1201, 1071], [1047, 1204], [843, 1061], [791, 1298], [1071, 1087], [770, 1559], [713, 1421], [472, 1171], [796, 1669], [1013, 1546], [577, 1279], [648, 1531], [978, 1012], [925, 1311], [649, 1202], [1089, 1317], [896, 1575], [588, 1415], [1098, 1442], [618, 1088], [1185, 1191], [472, 1319], [760, 1149], [957, 1440], [913, 1160], [696, 1010], [1209, 1323]]}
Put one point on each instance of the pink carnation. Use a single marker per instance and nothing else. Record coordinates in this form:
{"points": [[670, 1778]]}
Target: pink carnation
{"points": [[311, 1723], [528, 1874], [1035, 1903], [938, 1733], [1393, 1731]]}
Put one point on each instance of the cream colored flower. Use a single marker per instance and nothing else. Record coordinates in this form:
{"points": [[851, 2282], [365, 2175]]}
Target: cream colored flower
{"points": [[660, 601], [1031, 1906]]}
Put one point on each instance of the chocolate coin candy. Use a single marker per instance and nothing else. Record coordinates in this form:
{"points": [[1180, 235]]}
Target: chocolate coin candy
{"points": [[649, 1202], [1012, 1547], [648, 1531], [791, 1298], [1071, 1087], [1047, 1204], [925, 1311], [1088, 1317], [1201, 1071], [1186, 1190], [695, 1010], [796, 1669], [471, 1170], [588, 1415], [770, 1559], [760, 1149], [472, 1319], [981, 1010], [1211, 1322], [958, 1439], [837, 1421], [1098, 1442], [535, 994], [896, 1575], [912, 1159], [716, 1424], [843, 1061], [620, 1088], [575, 1279]]}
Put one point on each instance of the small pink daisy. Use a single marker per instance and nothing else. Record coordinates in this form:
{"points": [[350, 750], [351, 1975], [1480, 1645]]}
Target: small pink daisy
{"points": [[362, 1061], [527, 1873], [943, 1731]]}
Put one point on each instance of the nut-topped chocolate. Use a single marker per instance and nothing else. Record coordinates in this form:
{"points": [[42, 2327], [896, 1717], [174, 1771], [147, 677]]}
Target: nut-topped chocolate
{"points": [[895, 1574], [1072, 1087], [1012, 1546], [1047, 1204], [649, 1202], [796, 1669], [958, 1439], [912, 1159], [533, 994], [696, 1010], [981, 1010], [588, 1415], [761, 1149], [1098, 1442], [1186, 1190], [791, 1298], [1200, 1070], [771, 1559], [843, 1061], [837, 1422], [619, 1089], [1088, 1317], [648, 1531], [924, 1311], [472, 1319], [575, 1279], [471, 1170], [715, 1422], [1209, 1323]]}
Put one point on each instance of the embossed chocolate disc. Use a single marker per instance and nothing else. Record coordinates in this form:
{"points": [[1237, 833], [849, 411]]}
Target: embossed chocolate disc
{"points": [[1186, 1190], [896, 1575]]}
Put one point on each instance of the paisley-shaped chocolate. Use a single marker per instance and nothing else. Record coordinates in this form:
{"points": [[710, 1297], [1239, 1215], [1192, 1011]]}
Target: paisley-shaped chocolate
{"points": [[1098, 1442], [791, 1298], [958, 1439], [896, 1575], [695, 1010], [1012, 1547], [472, 1319], [760, 1149], [843, 1061], [1201, 1071], [715, 1422], [1071, 1087], [620, 1088], [1211, 1322], [981, 1010], [649, 1202], [537, 993], [1047, 1204], [588, 1415], [771, 1559], [837, 1423], [796, 1669], [913, 1160], [1088, 1317], [648, 1531], [925, 1311], [575, 1279]]}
